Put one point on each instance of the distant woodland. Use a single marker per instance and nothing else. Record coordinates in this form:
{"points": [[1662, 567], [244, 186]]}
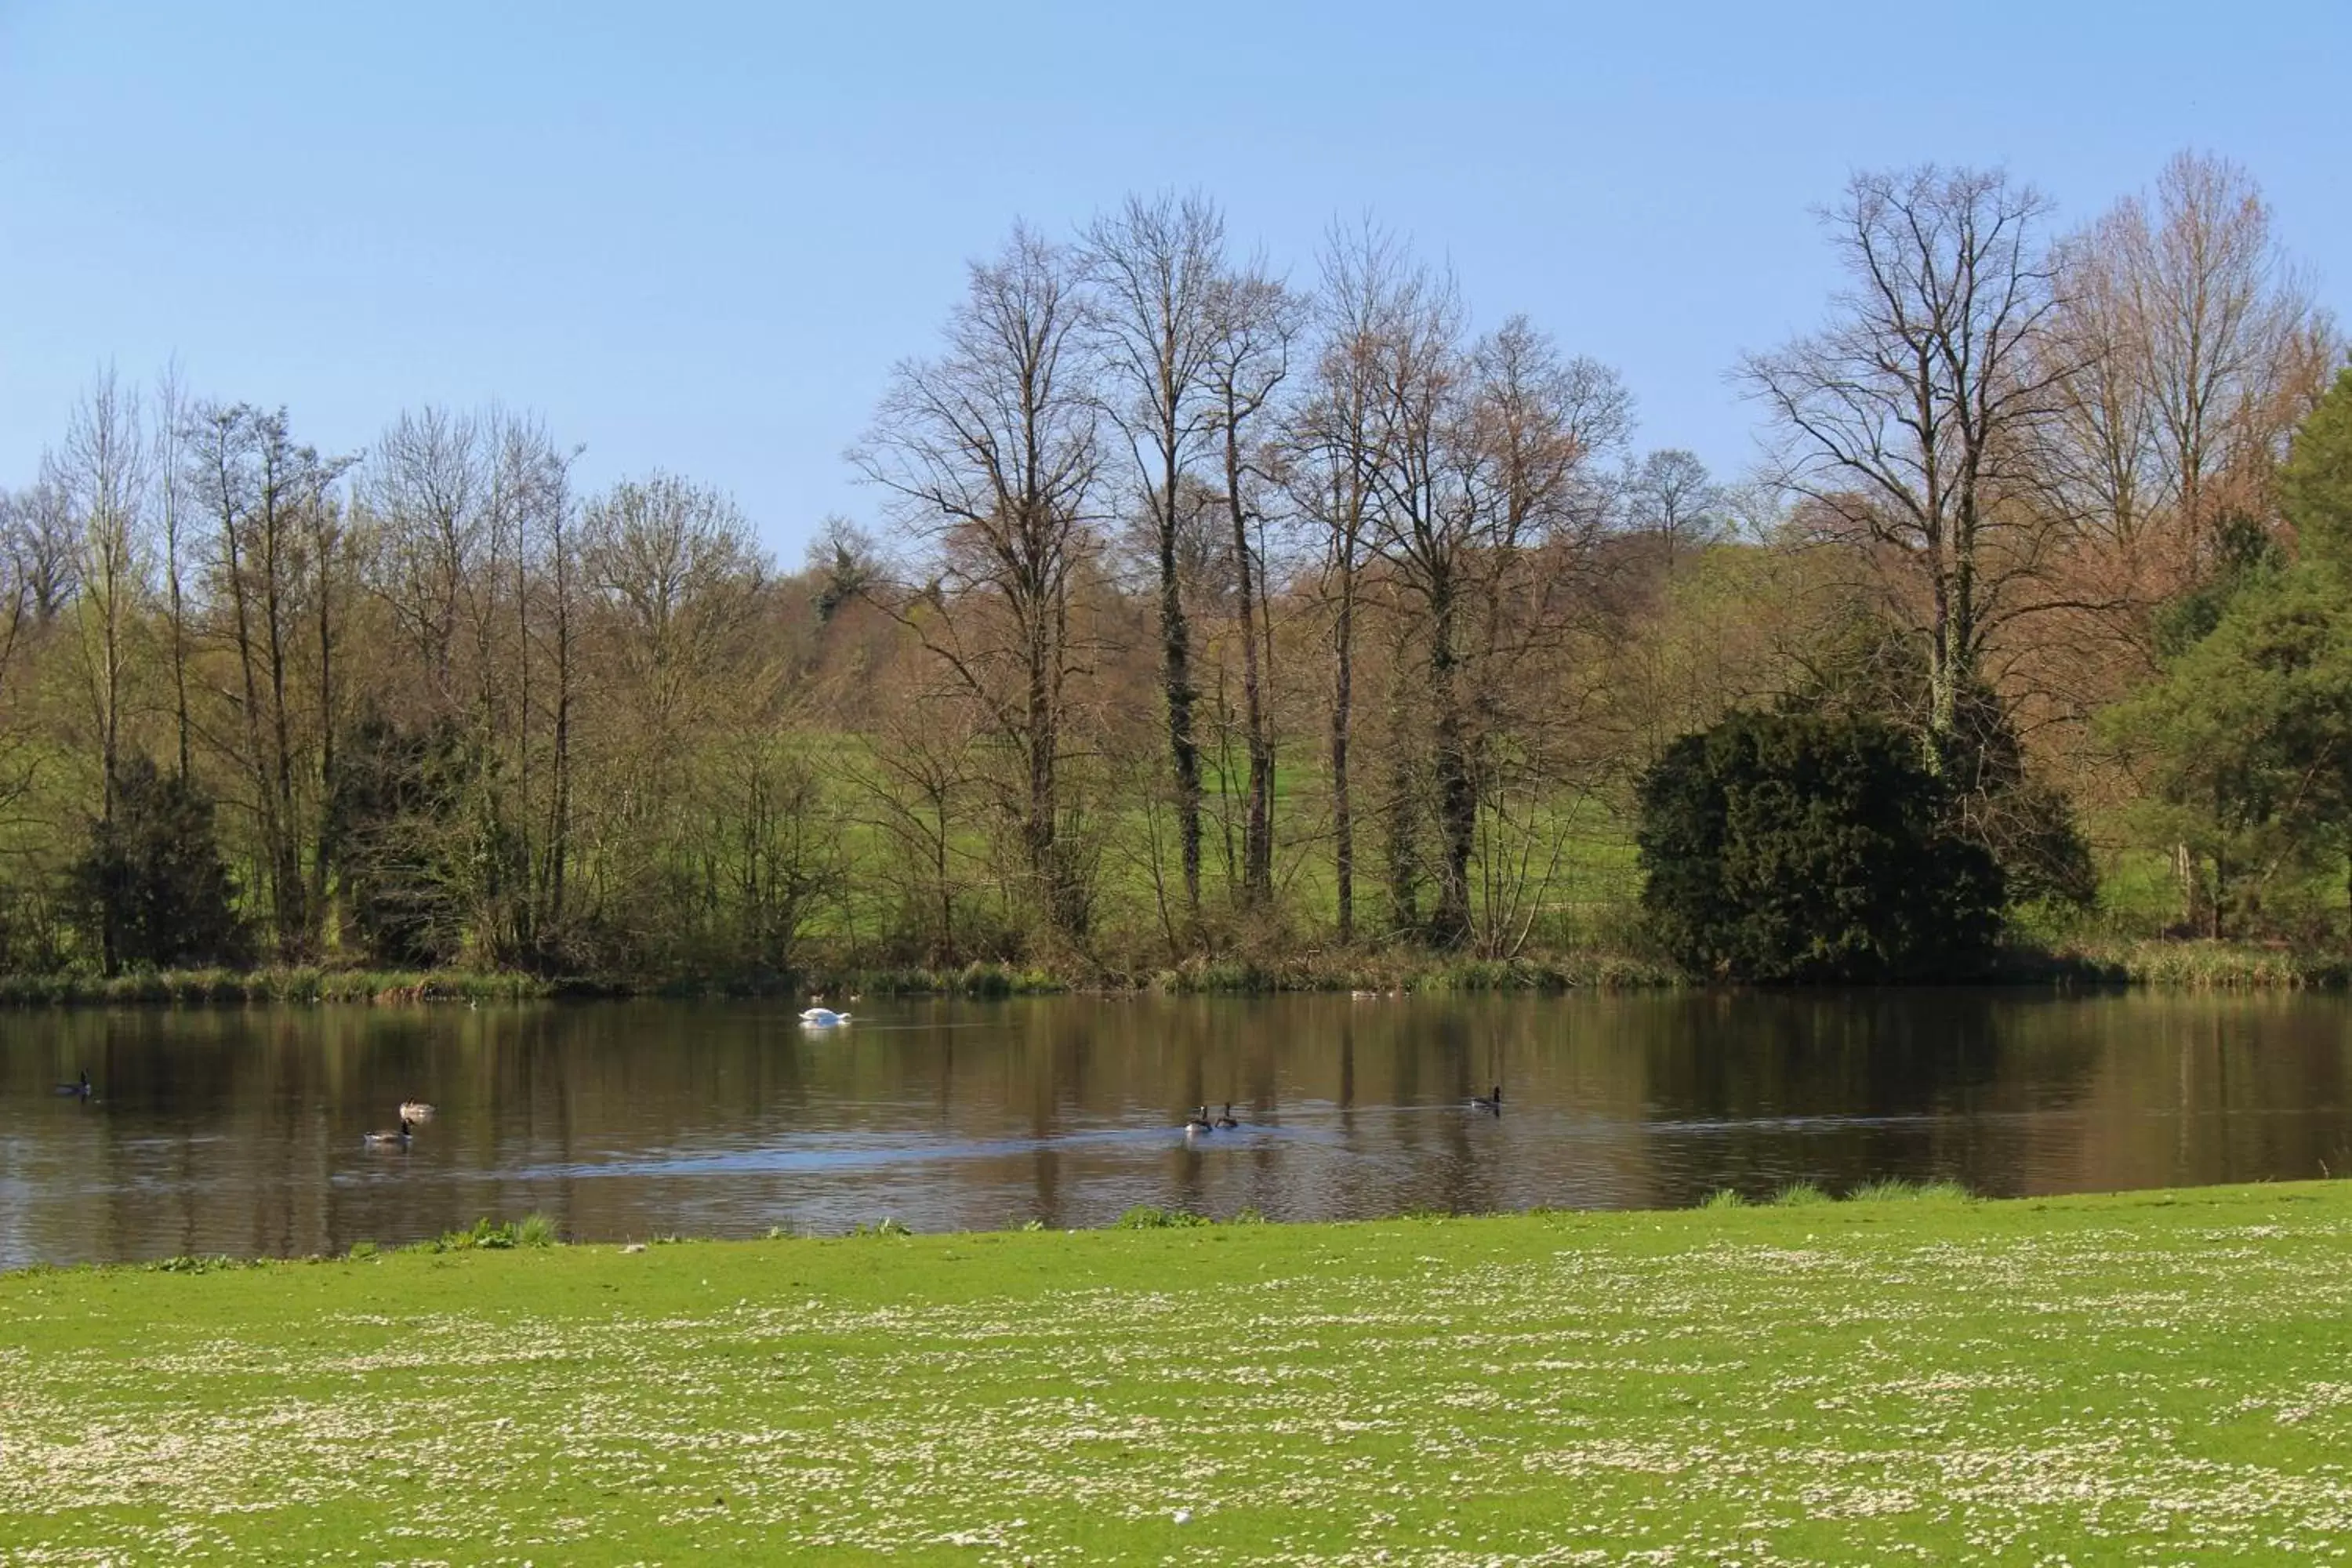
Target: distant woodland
{"points": [[1213, 613]]}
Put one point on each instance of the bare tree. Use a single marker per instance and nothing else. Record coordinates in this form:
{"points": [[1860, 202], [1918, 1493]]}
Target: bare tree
{"points": [[1156, 267], [1671, 497], [2188, 338], [427, 488], [264, 492], [555, 546], [674, 563], [1334, 442], [43, 544], [992, 453], [1484, 446], [1255, 321], [170, 456], [1911, 422], [2222, 311], [102, 472]]}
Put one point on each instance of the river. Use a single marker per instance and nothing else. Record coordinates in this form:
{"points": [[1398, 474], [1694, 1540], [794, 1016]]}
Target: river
{"points": [[238, 1131]]}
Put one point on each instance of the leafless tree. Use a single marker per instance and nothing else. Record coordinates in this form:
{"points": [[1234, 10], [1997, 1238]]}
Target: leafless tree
{"points": [[1155, 268], [674, 563], [177, 523], [102, 472], [2190, 337], [43, 543], [1487, 444], [426, 488], [993, 454], [1670, 497], [2222, 313], [264, 492], [1912, 422], [1256, 321], [1335, 447]]}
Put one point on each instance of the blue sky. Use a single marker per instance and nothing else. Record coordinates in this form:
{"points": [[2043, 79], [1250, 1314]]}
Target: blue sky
{"points": [[696, 236]]}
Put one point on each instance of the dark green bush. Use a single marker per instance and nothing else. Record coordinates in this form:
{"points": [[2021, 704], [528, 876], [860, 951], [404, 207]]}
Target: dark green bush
{"points": [[1811, 847], [151, 886]]}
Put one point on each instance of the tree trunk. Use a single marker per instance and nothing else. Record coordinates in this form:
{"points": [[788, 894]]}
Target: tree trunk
{"points": [[1458, 797], [1343, 682], [1176, 670], [1257, 836], [1038, 829]]}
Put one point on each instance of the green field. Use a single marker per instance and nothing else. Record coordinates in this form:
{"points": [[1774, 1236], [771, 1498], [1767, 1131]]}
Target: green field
{"points": [[2153, 1378]]}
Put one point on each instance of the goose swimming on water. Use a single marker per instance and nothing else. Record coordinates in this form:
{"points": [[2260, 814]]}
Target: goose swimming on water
{"points": [[1490, 1103], [1198, 1122], [1225, 1121], [79, 1091], [383, 1139]]}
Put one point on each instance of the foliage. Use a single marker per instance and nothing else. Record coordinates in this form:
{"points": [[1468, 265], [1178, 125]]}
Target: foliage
{"points": [[2315, 480], [1803, 847], [483, 1235], [1144, 1216], [2245, 742], [153, 888], [392, 811], [1867, 667], [1894, 1189]]}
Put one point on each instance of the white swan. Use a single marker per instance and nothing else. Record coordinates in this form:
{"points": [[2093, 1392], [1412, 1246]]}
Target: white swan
{"points": [[823, 1018]]}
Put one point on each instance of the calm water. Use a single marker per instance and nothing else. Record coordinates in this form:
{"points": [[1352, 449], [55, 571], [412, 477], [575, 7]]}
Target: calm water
{"points": [[239, 1131]]}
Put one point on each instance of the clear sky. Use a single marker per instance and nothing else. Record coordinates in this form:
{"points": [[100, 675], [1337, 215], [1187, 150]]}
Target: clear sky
{"points": [[696, 236]]}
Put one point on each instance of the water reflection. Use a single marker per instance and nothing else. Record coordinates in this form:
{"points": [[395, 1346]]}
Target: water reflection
{"points": [[239, 1131]]}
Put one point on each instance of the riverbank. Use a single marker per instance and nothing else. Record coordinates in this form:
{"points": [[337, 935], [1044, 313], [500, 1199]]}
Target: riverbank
{"points": [[2125, 1378], [2150, 962]]}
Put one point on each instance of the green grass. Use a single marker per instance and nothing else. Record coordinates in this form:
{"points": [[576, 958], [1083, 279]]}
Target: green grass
{"points": [[2153, 1377], [2214, 966]]}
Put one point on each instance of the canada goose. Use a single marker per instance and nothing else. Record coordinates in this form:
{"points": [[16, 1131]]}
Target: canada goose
{"points": [[823, 1018], [415, 1110], [1227, 1119], [382, 1139], [79, 1091], [1198, 1122], [1489, 1102]]}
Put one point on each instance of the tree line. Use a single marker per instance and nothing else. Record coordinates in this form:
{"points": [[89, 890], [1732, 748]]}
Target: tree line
{"points": [[1209, 609]]}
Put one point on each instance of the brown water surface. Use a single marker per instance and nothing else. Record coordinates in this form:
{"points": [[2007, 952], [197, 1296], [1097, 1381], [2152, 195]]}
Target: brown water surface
{"points": [[239, 1131]]}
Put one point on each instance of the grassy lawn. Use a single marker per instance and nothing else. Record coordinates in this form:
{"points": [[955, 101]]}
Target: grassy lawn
{"points": [[2153, 1378]]}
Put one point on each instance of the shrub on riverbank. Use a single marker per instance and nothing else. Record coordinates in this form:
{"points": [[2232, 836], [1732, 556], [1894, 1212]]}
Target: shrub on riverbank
{"points": [[199, 987], [2162, 964], [1811, 847]]}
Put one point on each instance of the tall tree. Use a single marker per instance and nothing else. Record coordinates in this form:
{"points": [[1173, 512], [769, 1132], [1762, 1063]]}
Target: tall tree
{"points": [[1912, 422], [172, 414], [1671, 498], [1156, 267], [102, 472], [1335, 452], [2222, 313], [1255, 321], [264, 492], [993, 452]]}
